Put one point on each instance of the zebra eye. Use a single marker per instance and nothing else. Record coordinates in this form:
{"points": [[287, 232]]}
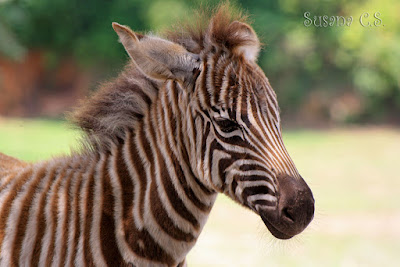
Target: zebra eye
{"points": [[227, 125]]}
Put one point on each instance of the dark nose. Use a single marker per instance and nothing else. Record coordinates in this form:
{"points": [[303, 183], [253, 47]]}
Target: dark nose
{"points": [[295, 204]]}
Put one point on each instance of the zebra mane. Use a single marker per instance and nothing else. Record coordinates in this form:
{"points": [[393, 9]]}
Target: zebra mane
{"points": [[117, 106], [212, 26]]}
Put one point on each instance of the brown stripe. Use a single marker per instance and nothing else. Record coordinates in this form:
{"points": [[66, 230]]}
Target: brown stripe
{"points": [[176, 163], [69, 202], [223, 164], [285, 160], [234, 140], [83, 208], [10, 178], [138, 165], [233, 86], [173, 197], [54, 210], [76, 207], [87, 254], [175, 125], [203, 86], [253, 167], [109, 245], [233, 190], [41, 221], [203, 136], [186, 187], [7, 203], [218, 80], [163, 220], [145, 143], [140, 92], [268, 144], [140, 242], [233, 98], [149, 154], [271, 94], [216, 146], [256, 190], [213, 70], [204, 141], [126, 182], [186, 160], [22, 220], [144, 246]]}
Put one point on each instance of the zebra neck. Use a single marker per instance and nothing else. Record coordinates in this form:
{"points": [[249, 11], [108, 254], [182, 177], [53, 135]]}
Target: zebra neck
{"points": [[163, 203]]}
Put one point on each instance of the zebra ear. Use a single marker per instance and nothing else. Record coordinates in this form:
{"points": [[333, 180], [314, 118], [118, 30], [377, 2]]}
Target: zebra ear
{"points": [[248, 44], [156, 57]]}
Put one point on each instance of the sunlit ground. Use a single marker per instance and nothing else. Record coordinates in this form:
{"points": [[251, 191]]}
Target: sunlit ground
{"points": [[352, 172]]}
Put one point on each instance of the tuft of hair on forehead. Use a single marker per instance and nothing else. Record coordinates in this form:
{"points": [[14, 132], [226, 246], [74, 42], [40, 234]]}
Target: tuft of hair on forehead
{"points": [[225, 26]]}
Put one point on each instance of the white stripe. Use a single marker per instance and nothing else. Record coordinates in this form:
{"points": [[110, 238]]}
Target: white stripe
{"points": [[15, 212], [61, 218], [6, 178], [266, 197], [71, 223], [83, 197], [6, 191], [262, 145], [124, 248], [31, 229], [277, 139], [135, 179], [48, 215], [95, 242]]}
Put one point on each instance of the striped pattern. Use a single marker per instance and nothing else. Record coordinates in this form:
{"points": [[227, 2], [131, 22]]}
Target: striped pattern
{"points": [[243, 143], [134, 204], [142, 194]]}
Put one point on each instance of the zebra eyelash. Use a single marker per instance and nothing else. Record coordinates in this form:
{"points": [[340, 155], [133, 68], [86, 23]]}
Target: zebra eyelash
{"points": [[223, 121], [227, 125]]}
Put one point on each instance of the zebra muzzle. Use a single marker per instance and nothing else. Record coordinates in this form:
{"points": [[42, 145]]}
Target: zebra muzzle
{"points": [[294, 210]]}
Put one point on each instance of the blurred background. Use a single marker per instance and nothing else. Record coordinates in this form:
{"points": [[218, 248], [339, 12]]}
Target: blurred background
{"points": [[338, 86]]}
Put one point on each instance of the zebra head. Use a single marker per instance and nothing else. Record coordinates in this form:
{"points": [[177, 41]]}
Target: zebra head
{"points": [[240, 151], [229, 115]]}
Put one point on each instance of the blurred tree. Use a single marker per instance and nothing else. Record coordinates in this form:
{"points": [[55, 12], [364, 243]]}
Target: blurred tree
{"points": [[9, 45], [320, 72]]}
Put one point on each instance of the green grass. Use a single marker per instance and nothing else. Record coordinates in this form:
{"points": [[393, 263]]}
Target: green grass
{"points": [[352, 172], [36, 139]]}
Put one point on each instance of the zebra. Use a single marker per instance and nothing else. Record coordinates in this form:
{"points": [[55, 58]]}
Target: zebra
{"points": [[191, 115]]}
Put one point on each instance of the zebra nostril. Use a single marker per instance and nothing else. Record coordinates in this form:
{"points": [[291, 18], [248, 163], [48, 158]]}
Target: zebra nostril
{"points": [[287, 213], [296, 203]]}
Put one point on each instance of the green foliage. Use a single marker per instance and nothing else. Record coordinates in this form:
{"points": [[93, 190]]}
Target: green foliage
{"points": [[301, 62], [9, 45]]}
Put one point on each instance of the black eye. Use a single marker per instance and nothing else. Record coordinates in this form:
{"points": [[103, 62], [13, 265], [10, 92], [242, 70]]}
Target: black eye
{"points": [[227, 125]]}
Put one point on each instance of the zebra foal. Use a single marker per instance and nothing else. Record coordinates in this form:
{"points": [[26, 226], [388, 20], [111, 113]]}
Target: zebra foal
{"points": [[191, 116]]}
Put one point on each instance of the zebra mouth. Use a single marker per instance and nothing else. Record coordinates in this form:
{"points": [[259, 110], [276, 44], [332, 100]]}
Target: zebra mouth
{"points": [[274, 231], [294, 210]]}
